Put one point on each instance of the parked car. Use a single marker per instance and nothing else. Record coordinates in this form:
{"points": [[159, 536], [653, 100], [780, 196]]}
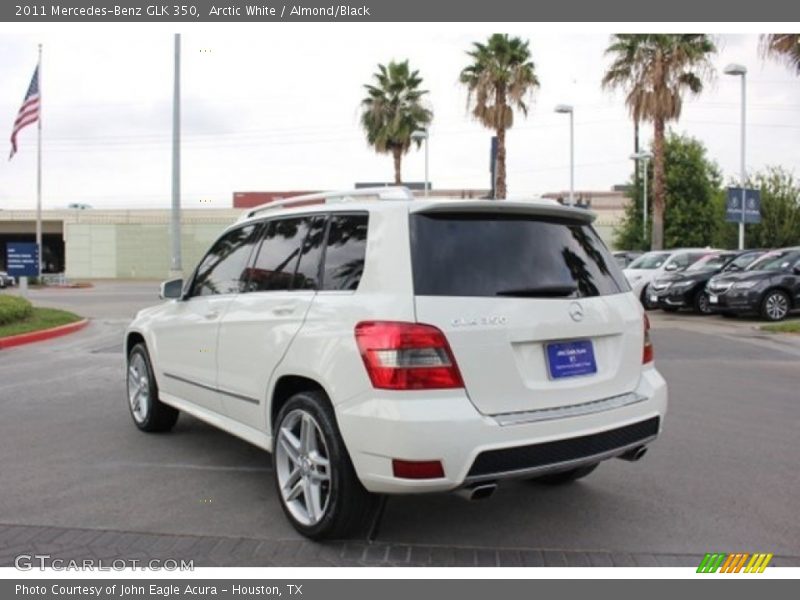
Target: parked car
{"points": [[625, 257], [769, 287], [687, 289], [648, 267], [6, 280], [417, 346]]}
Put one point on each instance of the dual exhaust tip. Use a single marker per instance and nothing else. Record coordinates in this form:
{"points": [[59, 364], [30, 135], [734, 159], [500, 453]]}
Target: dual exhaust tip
{"points": [[481, 491]]}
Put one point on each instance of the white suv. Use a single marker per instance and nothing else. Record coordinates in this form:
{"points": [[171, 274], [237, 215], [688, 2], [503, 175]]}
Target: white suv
{"points": [[377, 344]]}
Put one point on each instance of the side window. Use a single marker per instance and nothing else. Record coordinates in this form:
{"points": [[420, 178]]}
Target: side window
{"points": [[289, 255], [223, 268], [681, 261], [307, 275], [344, 255]]}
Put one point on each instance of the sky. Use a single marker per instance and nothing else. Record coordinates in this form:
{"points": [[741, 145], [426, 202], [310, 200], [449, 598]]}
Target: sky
{"points": [[276, 107]]}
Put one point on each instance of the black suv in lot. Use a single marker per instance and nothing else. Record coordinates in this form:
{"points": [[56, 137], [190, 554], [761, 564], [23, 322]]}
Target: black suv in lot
{"points": [[687, 289], [770, 287]]}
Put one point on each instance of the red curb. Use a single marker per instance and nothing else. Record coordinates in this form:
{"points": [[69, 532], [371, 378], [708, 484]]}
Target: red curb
{"points": [[41, 335]]}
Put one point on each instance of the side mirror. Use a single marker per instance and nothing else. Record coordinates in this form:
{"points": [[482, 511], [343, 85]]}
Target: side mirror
{"points": [[172, 288], [671, 267]]}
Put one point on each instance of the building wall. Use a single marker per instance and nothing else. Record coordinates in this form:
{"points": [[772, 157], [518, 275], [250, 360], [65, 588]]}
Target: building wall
{"points": [[133, 250]]}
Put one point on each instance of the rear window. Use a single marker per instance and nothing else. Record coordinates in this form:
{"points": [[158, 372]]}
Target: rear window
{"points": [[510, 255]]}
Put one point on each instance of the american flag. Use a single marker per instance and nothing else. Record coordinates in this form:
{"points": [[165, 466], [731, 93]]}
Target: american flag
{"points": [[28, 112]]}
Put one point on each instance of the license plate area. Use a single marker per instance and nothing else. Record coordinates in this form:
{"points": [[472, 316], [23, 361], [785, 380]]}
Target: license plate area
{"points": [[570, 359], [713, 299]]}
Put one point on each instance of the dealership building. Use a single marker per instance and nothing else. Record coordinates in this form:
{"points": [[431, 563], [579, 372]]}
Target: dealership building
{"points": [[88, 243]]}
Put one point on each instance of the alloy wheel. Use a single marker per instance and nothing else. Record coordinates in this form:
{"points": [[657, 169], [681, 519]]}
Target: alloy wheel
{"points": [[303, 467], [138, 388], [776, 306]]}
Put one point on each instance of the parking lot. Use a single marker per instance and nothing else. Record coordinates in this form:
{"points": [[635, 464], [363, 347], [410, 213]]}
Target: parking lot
{"points": [[77, 479]]}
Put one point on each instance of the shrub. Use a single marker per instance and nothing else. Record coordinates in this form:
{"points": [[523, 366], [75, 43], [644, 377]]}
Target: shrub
{"points": [[14, 309]]}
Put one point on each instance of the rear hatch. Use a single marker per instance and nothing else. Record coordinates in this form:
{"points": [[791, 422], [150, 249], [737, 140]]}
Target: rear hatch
{"points": [[535, 308]]}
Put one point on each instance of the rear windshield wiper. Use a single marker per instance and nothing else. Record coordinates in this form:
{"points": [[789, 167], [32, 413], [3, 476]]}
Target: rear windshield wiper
{"points": [[543, 291]]}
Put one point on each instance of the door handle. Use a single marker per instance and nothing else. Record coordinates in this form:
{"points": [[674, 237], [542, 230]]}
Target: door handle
{"points": [[284, 309], [211, 315]]}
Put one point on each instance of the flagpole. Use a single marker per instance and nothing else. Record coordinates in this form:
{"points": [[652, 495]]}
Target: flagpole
{"points": [[39, 169]]}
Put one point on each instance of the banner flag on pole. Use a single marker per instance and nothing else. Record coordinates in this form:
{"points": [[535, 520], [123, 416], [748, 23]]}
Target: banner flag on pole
{"points": [[28, 112]]}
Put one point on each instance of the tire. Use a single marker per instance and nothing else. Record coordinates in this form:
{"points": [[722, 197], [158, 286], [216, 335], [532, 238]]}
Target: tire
{"points": [[318, 473], [775, 305], [701, 304], [644, 299], [147, 411], [565, 477]]}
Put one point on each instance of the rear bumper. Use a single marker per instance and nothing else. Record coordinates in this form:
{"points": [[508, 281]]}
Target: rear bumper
{"points": [[473, 447]]}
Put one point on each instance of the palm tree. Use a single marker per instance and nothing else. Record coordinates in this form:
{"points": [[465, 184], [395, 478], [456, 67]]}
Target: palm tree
{"points": [[500, 78], [655, 70], [393, 110], [784, 47]]}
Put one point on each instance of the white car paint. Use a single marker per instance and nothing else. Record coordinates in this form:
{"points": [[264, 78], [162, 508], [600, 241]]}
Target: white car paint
{"points": [[237, 347]]}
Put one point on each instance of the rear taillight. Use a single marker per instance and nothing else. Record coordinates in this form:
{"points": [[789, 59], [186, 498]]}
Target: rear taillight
{"points": [[407, 356], [647, 352]]}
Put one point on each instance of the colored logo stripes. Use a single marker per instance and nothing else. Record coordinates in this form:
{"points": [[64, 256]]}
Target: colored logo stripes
{"points": [[734, 563]]}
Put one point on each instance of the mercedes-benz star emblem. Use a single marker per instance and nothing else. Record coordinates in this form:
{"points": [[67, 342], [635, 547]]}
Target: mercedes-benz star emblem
{"points": [[576, 311]]}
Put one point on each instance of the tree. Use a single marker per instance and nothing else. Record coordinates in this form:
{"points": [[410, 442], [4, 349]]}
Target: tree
{"points": [[392, 110], [499, 79], [655, 70], [784, 47], [694, 199], [780, 210]]}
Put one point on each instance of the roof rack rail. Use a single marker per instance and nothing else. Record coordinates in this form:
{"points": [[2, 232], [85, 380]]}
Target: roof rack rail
{"points": [[373, 193]]}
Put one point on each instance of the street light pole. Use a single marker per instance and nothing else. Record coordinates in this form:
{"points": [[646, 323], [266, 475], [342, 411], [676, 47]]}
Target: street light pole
{"points": [[567, 109], [741, 71]]}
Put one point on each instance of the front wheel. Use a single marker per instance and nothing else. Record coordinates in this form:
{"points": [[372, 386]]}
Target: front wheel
{"points": [[775, 305], [644, 298], [701, 304], [148, 412], [319, 490]]}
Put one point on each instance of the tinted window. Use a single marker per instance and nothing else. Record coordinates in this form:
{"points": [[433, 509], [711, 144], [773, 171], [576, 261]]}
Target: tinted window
{"points": [[223, 268], [289, 256], [344, 256], [709, 261], [502, 255], [307, 275], [775, 261]]}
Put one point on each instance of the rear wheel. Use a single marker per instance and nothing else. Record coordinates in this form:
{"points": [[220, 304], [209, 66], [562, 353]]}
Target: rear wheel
{"points": [[148, 412], [566, 476], [775, 305], [320, 492], [701, 303]]}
